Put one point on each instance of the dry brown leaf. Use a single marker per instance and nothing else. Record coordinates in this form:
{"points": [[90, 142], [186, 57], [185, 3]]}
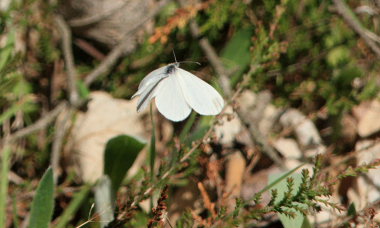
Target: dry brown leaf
{"points": [[105, 118]]}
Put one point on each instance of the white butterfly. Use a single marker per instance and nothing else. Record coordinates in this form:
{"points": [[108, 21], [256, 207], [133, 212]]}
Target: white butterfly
{"points": [[176, 92]]}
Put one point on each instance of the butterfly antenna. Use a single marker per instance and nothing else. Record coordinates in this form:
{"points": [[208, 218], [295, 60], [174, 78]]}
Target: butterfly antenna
{"points": [[190, 62], [174, 57]]}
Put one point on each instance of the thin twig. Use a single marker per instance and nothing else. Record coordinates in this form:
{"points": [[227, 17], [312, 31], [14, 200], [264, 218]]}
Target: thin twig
{"points": [[61, 129], [61, 125], [41, 123], [350, 18], [69, 59], [120, 49], [225, 83]]}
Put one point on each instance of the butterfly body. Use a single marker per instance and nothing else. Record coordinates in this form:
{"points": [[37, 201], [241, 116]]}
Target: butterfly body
{"points": [[171, 68]]}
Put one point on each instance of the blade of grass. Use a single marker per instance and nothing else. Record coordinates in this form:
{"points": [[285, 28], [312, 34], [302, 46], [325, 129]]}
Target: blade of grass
{"points": [[74, 205], [5, 166], [152, 150]]}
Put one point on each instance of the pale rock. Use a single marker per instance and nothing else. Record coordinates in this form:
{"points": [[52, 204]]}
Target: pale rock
{"points": [[288, 148], [369, 122], [359, 110], [366, 193], [230, 127], [291, 163], [269, 118], [247, 100], [306, 132], [368, 152], [349, 130]]}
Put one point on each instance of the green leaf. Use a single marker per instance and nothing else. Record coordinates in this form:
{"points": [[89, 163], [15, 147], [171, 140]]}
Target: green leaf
{"points": [[43, 202], [121, 151]]}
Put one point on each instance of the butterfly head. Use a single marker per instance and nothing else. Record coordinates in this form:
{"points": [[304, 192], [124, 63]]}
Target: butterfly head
{"points": [[171, 68]]}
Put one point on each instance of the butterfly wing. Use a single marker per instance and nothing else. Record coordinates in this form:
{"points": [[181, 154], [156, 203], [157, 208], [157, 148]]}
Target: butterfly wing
{"points": [[147, 95], [150, 80], [199, 95], [170, 101], [148, 86]]}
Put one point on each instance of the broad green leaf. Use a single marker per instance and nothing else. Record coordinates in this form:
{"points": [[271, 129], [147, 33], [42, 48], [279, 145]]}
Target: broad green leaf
{"points": [[43, 202], [121, 151]]}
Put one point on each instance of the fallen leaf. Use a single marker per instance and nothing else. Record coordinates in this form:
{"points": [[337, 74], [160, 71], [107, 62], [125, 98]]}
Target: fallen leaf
{"points": [[105, 118]]}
